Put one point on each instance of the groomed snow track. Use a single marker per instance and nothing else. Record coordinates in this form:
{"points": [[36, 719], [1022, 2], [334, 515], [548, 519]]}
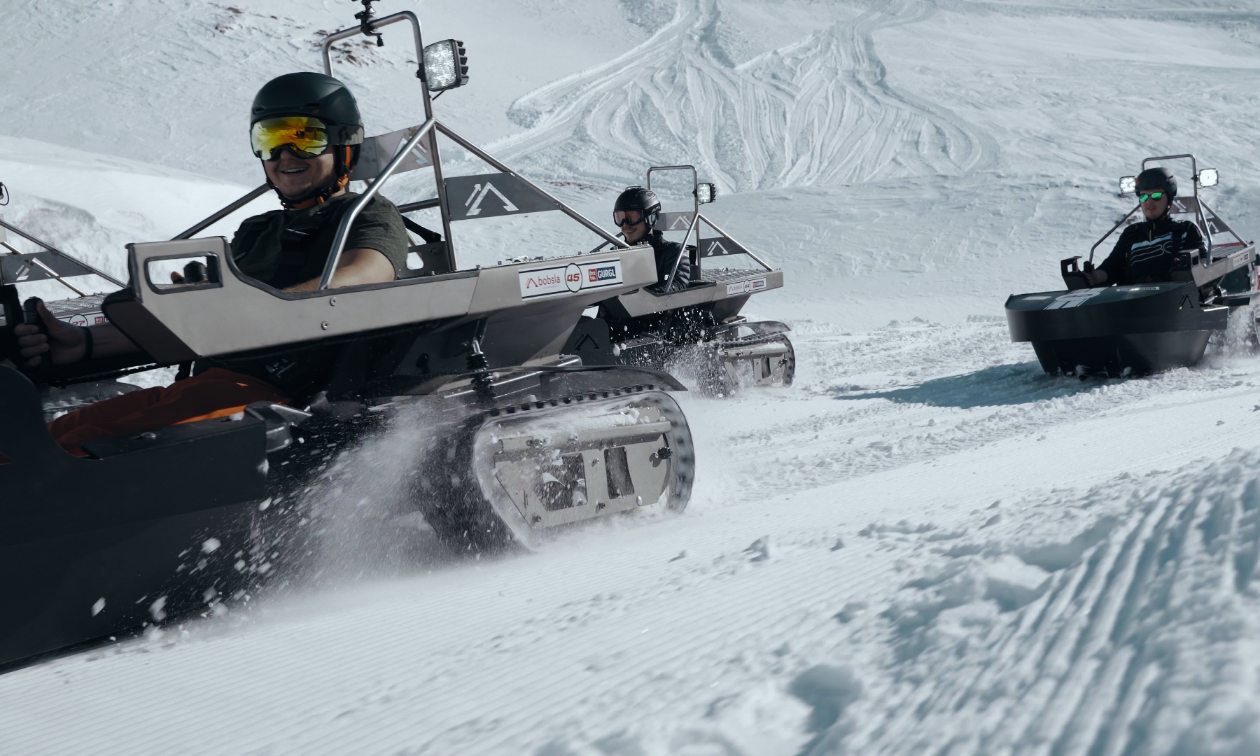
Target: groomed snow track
{"points": [[1132, 637], [953, 597]]}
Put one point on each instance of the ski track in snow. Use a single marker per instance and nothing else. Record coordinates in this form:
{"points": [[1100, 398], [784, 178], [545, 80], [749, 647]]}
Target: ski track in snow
{"points": [[816, 112]]}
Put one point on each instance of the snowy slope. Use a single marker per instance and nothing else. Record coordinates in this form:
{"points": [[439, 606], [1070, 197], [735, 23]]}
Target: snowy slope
{"points": [[924, 546], [91, 206], [170, 81], [917, 540]]}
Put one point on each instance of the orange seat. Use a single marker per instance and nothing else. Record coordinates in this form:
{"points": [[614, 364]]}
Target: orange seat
{"points": [[214, 393]]}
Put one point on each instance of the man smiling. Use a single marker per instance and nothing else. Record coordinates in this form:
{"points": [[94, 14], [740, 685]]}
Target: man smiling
{"points": [[635, 212], [306, 129], [1145, 251]]}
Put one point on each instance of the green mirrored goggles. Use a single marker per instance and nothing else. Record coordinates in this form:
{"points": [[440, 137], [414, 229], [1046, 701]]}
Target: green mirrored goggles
{"points": [[1150, 195]]}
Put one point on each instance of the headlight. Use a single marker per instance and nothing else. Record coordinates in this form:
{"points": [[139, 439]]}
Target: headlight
{"points": [[1128, 185], [445, 65]]}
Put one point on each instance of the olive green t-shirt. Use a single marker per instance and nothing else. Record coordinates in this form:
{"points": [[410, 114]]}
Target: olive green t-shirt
{"points": [[283, 248]]}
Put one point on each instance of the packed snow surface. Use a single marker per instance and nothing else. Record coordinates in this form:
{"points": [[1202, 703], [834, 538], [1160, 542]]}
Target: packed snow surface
{"points": [[925, 545]]}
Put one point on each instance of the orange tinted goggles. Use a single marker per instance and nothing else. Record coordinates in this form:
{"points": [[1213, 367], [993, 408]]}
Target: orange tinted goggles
{"points": [[305, 136]]}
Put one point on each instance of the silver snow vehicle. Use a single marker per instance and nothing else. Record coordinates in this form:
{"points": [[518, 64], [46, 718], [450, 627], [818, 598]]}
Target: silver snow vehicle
{"points": [[700, 326], [1143, 328], [526, 439]]}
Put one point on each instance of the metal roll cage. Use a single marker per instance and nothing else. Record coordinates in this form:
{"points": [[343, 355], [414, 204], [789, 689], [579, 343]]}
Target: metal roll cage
{"points": [[58, 253], [697, 217], [1199, 206], [428, 130]]}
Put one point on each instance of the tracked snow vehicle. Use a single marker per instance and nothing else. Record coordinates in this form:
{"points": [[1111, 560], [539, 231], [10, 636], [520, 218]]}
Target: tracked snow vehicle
{"points": [[1139, 329], [525, 439], [700, 325]]}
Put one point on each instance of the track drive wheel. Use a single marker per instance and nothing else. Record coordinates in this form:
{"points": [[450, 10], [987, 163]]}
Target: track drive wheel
{"points": [[760, 361], [515, 473]]}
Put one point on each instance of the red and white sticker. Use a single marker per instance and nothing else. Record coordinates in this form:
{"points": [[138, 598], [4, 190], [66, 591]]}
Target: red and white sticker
{"points": [[745, 287], [570, 278]]}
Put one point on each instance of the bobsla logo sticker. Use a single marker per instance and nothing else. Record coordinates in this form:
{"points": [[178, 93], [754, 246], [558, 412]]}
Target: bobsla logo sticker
{"points": [[571, 278], [538, 282]]}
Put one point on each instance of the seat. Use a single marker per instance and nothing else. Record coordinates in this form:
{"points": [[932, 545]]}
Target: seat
{"points": [[432, 259]]}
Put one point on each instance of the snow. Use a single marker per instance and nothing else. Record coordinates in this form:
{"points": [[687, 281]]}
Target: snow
{"points": [[924, 546]]}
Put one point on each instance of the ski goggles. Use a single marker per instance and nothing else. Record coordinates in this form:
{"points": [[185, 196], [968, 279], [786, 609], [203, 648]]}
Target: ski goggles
{"points": [[306, 137], [624, 217], [1149, 195]]}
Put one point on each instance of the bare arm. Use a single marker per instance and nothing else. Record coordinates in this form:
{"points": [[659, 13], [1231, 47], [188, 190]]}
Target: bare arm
{"points": [[66, 344], [356, 267]]}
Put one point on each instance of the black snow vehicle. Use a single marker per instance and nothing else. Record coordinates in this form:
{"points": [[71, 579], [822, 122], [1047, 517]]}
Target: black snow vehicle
{"points": [[1142, 328], [184, 519], [700, 325]]}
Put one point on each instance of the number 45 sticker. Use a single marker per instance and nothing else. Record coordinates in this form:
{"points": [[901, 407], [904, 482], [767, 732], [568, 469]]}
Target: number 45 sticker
{"points": [[1074, 299]]}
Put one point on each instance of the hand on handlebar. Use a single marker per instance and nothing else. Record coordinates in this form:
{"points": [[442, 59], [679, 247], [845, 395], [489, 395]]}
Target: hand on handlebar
{"points": [[1094, 276], [63, 343]]}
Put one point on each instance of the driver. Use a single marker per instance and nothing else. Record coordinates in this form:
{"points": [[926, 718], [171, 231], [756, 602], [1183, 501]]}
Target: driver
{"points": [[305, 128], [635, 212], [1145, 251]]}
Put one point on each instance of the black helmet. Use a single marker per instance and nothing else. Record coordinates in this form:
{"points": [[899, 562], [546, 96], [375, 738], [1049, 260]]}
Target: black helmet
{"points": [[316, 96], [311, 94], [639, 198], [1153, 179]]}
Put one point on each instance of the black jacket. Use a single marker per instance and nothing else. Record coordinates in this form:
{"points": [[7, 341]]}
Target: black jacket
{"points": [[1145, 251], [666, 252]]}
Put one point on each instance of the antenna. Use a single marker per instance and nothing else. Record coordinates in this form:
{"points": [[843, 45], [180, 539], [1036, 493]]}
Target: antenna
{"points": [[365, 17]]}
